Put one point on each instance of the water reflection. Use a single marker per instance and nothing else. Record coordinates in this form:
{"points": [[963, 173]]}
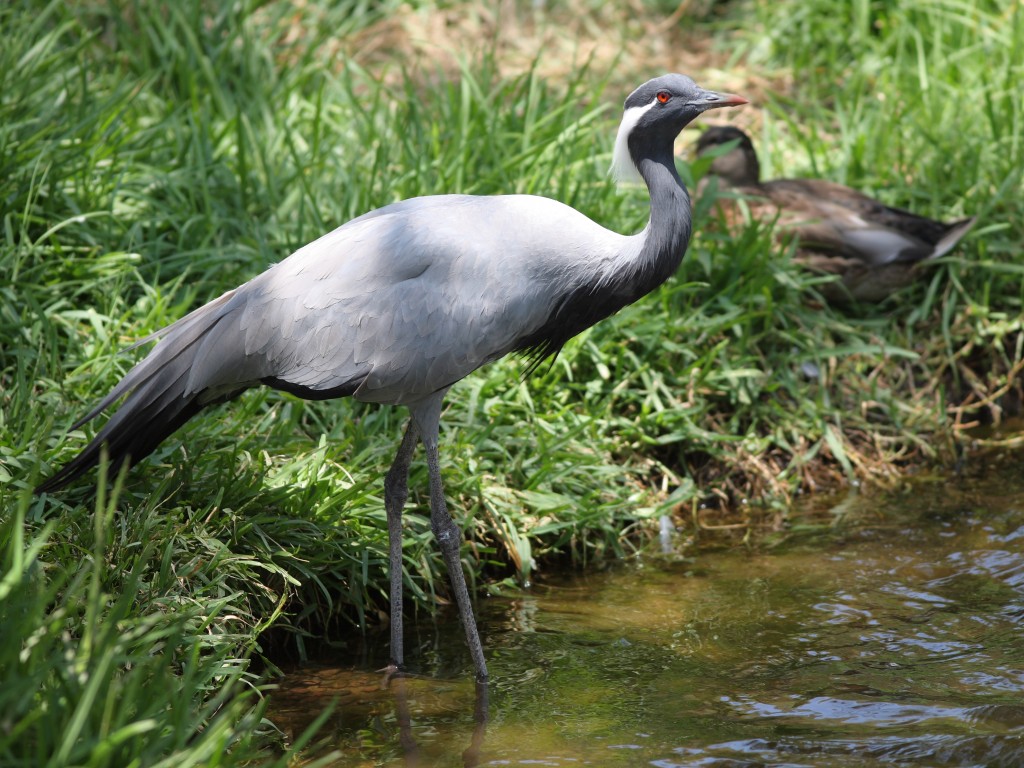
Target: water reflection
{"points": [[888, 638]]}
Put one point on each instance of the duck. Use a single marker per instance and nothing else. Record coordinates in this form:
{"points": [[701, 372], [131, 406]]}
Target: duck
{"points": [[874, 249]]}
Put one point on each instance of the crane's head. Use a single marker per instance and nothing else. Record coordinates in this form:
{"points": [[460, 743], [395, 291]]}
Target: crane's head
{"points": [[653, 116], [735, 159]]}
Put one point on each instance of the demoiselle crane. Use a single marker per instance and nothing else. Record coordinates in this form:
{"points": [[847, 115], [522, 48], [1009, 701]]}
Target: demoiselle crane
{"points": [[402, 302]]}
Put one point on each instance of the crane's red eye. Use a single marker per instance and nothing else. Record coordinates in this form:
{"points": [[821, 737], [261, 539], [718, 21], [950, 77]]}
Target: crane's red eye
{"points": [[663, 96]]}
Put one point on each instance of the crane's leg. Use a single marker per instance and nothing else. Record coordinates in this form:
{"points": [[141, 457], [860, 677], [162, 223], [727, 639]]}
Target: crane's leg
{"points": [[396, 491], [449, 537], [427, 417]]}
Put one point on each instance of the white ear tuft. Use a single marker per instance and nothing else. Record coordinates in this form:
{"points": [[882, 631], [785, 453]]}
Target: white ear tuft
{"points": [[623, 168]]}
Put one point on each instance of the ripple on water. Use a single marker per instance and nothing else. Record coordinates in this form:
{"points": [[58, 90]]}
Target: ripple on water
{"points": [[791, 752], [879, 714]]}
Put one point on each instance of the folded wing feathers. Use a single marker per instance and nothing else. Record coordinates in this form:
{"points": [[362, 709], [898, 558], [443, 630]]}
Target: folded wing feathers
{"points": [[150, 413], [159, 398]]}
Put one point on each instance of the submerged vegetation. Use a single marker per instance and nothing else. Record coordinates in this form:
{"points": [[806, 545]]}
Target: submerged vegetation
{"points": [[153, 156]]}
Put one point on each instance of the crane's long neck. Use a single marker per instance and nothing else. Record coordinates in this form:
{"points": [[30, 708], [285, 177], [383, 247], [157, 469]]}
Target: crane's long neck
{"points": [[649, 260], [667, 234]]}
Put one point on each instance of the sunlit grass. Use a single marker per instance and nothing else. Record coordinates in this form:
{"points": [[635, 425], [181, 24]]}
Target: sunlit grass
{"points": [[154, 156]]}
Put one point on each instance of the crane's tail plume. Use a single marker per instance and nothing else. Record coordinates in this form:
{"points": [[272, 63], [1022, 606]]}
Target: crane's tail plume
{"points": [[158, 400]]}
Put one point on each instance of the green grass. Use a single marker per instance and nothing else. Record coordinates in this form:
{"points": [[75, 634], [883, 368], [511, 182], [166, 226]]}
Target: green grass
{"points": [[153, 157]]}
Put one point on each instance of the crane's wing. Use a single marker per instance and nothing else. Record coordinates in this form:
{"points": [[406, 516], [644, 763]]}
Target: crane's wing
{"points": [[391, 307], [406, 300]]}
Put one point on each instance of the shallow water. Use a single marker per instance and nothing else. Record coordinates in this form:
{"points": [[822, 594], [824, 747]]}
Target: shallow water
{"points": [[888, 631]]}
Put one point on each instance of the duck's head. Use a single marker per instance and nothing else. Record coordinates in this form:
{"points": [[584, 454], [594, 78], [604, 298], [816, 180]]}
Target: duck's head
{"points": [[738, 166]]}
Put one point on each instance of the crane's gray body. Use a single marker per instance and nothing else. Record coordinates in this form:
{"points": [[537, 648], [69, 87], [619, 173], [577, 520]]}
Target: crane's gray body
{"points": [[399, 304], [394, 307], [405, 300]]}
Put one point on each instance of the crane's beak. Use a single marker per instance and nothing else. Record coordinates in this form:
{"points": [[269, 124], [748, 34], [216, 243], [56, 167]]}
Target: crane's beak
{"points": [[713, 100]]}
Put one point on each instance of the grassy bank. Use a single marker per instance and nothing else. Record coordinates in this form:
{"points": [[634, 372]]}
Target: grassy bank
{"points": [[153, 157]]}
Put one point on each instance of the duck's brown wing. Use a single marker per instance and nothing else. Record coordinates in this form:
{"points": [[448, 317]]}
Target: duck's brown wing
{"points": [[866, 225], [836, 219]]}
